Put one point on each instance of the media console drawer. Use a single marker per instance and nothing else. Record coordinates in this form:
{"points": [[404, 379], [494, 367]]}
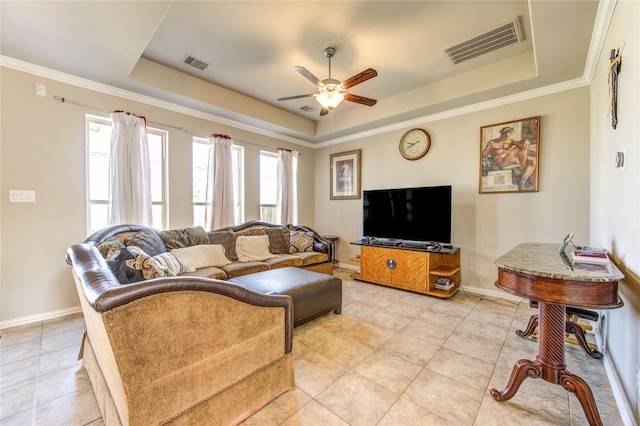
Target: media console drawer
{"points": [[414, 270]]}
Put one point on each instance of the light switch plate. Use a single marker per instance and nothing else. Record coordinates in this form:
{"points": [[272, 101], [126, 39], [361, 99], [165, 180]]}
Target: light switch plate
{"points": [[19, 196]]}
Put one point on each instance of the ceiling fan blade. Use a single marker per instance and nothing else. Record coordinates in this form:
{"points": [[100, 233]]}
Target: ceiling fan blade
{"points": [[288, 98], [307, 74], [323, 111], [360, 99], [359, 78]]}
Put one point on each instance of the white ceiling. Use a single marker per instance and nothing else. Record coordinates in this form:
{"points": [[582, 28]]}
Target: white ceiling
{"points": [[252, 47]]}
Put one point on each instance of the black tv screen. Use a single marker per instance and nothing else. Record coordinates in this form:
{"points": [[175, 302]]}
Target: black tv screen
{"points": [[412, 214]]}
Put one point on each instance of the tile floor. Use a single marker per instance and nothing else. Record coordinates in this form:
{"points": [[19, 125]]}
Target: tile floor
{"points": [[392, 358]]}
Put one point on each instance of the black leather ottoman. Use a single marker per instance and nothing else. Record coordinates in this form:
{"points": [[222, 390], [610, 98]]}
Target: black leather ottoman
{"points": [[313, 293]]}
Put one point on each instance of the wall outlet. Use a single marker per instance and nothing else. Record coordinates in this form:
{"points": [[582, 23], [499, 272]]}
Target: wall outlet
{"points": [[16, 196]]}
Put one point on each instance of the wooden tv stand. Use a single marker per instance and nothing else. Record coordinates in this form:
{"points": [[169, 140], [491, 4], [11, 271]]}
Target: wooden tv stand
{"points": [[411, 269]]}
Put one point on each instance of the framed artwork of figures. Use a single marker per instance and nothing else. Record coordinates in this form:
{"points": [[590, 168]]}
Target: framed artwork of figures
{"points": [[509, 156], [345, 175]]}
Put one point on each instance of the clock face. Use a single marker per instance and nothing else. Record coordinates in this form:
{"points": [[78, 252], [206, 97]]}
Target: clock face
{"points": [[415, 144]]}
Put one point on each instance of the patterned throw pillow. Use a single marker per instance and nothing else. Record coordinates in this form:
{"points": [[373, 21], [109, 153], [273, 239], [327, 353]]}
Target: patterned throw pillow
{"points": [[110, 245], [178, 238], [201, 256], [253, 231], [133, 265], [301, 241], [254, 248], [279, 241], [172, 264], [227, 239], [148, 240]]}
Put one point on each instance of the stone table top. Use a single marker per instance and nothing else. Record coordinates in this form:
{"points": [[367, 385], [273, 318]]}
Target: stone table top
{"points": [[545, 260]]}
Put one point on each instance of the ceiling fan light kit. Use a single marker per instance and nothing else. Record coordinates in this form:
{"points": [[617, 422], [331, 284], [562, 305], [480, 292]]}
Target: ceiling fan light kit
{"points": [[332, 92]]}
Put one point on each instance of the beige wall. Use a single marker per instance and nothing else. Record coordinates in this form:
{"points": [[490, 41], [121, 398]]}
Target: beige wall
{"points": [[615, 197], [43, 149], [484, 226]]}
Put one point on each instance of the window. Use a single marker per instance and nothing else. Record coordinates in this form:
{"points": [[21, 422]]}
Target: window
{"points": [[99, 173], [200, 154], [268, 186]]}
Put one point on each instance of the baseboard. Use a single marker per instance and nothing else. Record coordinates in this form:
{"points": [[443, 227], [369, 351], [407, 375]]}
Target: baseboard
{"points": [[624, 405], [496, 294], [40, 317]]}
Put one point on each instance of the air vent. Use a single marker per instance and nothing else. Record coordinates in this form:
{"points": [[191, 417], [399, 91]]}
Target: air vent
{"points": [[306, 108], [195, 62], [498, 38]]}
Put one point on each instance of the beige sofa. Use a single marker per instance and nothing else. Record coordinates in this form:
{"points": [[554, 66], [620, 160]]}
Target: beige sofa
{"points": [[180, 350]]}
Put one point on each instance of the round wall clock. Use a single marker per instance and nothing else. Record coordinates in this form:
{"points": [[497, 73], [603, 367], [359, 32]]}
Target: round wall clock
{"points": [[415, 144]]}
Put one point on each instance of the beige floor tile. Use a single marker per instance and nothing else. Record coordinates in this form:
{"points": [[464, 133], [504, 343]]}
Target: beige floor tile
{"points": [[406, 413], [19, 371], [314, 372], [473, 346], [445, 397], [462, 368], [389, 370], [280, 409], [74, 410], [314, 414], [412, 348], [357, 400]]}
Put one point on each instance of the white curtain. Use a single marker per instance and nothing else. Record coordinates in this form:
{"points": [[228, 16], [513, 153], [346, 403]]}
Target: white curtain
{"points": [[287, 203], [221, 202], [130, 171]]}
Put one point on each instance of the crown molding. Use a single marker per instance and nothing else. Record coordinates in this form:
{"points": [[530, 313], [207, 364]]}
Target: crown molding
{"points": [[84, 83]]}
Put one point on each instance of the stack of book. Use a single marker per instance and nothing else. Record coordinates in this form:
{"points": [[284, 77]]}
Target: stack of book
{"points": [[590, 255]]}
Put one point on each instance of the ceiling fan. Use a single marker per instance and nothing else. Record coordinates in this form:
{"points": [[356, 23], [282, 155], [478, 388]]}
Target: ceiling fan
{"points": [[331, 91]]}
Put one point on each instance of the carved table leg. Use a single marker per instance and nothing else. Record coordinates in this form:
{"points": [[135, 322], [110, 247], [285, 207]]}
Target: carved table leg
{"points": [[523, 369], [531, 327], [550, 363], [577, 331], [575, 384]]}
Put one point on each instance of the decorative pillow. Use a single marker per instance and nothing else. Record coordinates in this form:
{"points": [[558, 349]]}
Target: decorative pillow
{"points": [[301, 241], [201, 256], [111, 244], [187, 237], [253, 248], [279, 240], [133, 265], [148, 240], [171, 263], [227, 239], [256, 230]]}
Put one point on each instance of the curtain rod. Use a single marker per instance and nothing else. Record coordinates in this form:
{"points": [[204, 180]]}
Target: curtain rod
{"points": [[64, 100]]}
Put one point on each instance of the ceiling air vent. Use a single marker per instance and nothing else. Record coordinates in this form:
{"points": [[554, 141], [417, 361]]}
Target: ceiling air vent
{"points": [[195, 62], [495, 39], [306, 108]]}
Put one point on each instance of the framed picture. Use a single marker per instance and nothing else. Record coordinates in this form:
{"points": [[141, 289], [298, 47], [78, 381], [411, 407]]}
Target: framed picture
{"points": [[509, 156], [345, 175]]}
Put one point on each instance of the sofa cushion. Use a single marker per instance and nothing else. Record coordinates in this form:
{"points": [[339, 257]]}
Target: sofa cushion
{"points": [[301, 241], [133, 265], [110, 246], [227, 239], [279, 240], [148, 240], [312, 257], [236, 269], [208, 272], [187, 237], [253, 248], [171, 263], [283, 261], [201, 256]]}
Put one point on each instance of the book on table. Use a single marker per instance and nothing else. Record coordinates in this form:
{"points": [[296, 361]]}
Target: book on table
{"points": [[590, 255]]}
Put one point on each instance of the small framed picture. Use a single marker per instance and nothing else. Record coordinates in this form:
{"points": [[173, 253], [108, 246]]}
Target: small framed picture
{"points": [[509, 156], [345, 175]]}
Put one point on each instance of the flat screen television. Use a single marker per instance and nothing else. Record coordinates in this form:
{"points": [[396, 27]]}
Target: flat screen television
{"points": [[410, 214]]}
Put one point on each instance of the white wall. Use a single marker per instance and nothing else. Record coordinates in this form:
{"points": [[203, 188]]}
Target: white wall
{"points": [[485, 226], [615, 196], [43, 149]]}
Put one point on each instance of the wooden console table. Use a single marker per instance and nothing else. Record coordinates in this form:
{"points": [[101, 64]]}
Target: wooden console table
{"points": [[540, 272]]}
